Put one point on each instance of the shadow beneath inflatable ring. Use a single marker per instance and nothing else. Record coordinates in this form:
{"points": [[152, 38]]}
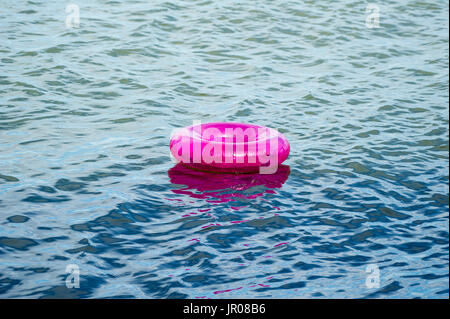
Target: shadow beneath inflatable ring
{"points": [[224, 186]]}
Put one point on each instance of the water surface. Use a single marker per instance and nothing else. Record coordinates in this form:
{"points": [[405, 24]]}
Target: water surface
{"points": [[86, 178]]}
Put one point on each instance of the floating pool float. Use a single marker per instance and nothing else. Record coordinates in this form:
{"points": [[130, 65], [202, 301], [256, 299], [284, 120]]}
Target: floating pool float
{"points": [[230, 148]]}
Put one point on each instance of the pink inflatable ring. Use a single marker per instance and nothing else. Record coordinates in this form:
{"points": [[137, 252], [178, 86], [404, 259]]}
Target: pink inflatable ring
{"points": [[230, 147]]}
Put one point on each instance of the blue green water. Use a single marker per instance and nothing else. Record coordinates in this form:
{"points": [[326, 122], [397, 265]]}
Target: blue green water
{"points": [[85, 119]]}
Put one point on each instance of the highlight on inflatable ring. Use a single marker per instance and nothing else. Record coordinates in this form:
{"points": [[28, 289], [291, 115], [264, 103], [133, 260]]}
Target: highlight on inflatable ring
{"points": [[230, 147]]}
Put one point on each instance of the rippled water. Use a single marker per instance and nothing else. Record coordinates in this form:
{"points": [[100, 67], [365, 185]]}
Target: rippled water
{"points": [[86, 178]]}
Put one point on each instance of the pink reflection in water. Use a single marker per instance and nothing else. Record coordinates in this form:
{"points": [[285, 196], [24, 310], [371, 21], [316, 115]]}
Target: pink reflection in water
{"points": [[187, 215], [216, 187], [237, 207], [232, 289], [262, 285], [222, 291], [239, 221], [211, 225]]}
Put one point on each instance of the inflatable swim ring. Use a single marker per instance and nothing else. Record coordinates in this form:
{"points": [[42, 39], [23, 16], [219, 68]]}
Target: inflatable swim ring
{"points": [[230, 148]]}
